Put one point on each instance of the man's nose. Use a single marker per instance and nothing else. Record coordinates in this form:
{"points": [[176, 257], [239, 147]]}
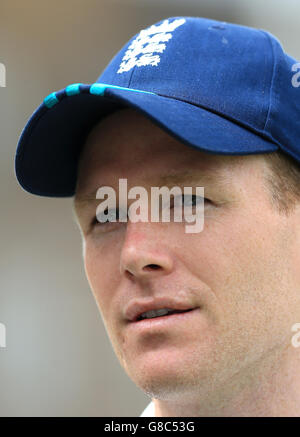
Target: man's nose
{"points": [[143, 254]]}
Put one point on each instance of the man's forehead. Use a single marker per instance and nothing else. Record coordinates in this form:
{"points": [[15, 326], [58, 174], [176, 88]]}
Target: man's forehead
{"points": [[127, 131], [169, 163], [127, 138], [207, 178]]}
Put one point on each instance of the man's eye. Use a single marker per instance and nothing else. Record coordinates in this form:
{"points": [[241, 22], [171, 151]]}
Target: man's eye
{"points": [[112, 216], [189, 200]]}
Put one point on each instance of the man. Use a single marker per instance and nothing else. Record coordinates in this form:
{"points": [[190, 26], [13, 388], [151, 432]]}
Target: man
{"points": [[201, 322]]}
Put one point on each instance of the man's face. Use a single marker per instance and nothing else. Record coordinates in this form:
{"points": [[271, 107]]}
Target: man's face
{"points": [[238, 275]]}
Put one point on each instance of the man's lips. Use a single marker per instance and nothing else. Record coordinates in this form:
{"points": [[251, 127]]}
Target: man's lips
{"points": [[137, 307]]}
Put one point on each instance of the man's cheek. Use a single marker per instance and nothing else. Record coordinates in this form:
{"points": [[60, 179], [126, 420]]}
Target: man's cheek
{"points": [[96, 282]]}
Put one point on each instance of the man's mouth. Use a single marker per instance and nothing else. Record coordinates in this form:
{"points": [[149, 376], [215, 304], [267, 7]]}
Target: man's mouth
{"points": [[163, 307], [161, 312]]}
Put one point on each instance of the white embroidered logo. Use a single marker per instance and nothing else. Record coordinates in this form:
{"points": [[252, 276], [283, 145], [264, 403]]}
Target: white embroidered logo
{"points": [[148, 42]]}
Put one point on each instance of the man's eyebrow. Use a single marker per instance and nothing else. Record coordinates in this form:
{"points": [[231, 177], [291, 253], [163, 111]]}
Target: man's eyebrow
{"points": [[192, 176], [202, 178]]}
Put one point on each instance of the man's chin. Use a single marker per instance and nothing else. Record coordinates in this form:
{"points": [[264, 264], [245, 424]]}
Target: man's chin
{"points": [[170, 380]]}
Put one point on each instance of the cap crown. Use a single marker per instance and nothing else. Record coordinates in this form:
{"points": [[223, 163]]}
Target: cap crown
{"points": [[238, 72]]}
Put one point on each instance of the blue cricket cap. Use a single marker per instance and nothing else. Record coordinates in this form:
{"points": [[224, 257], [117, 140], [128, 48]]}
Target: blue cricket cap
{"points": [[216, 86]]}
